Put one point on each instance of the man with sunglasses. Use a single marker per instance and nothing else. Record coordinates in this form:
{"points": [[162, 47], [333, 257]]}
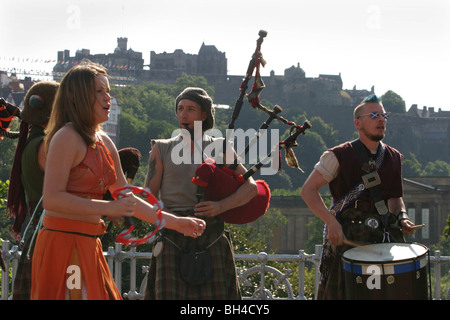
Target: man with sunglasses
{"points": [[365, 181]]}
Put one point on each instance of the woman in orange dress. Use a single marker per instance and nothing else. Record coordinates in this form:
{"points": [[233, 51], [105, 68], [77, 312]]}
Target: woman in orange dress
{"points": [[82, 164]]}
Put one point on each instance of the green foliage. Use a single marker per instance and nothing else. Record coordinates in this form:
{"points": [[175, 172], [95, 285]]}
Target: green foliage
{"points": [[326, 131], [438, 168], [413, 168], [7, 151], [5, 221], [3, 193], [285, 192], [392, 102], [447, 229]]}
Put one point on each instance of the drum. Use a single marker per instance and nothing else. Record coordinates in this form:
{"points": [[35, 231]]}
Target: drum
{"points": [[386, 271]]}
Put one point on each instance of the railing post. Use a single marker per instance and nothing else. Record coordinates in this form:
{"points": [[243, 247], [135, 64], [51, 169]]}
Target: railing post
{"points": [[118, 266], [317, 257], [262, 257], [5, 273], [110, 258], [301, 275], [437, 275], [15, 257], [132, 294]]}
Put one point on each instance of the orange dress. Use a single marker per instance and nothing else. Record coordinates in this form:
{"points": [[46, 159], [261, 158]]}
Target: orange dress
{"points": [[68, 261]]}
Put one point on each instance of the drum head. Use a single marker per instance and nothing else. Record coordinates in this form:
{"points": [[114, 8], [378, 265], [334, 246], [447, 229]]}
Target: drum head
{"points": [[382, 252]]}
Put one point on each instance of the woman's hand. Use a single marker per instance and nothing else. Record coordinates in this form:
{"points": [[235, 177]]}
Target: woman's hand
{"points": [[124, 206]]}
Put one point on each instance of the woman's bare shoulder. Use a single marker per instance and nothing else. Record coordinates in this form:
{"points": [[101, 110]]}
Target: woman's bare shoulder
{"points": [[67, 140]]}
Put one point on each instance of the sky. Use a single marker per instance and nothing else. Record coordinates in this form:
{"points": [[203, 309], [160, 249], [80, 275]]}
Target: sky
{"points": [[398, 45]]}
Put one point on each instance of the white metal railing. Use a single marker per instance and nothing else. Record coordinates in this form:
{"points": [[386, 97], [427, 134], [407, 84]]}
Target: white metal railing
{"points": [[116, 257]]}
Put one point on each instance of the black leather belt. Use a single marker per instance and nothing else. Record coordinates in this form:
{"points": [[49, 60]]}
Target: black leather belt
{"points": [[75, 233]]}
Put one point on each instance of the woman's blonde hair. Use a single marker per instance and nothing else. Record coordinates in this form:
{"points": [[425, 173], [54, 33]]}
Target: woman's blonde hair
{"points": [[74, 102]]}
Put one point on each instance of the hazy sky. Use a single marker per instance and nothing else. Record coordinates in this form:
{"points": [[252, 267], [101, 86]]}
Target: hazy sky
{"points": [[399, 45]]}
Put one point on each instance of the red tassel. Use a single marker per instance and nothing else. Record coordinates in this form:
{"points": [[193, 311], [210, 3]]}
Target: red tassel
{"points": [[17, 206]]}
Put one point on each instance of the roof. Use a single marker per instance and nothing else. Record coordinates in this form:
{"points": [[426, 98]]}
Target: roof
{"points": [[426, 187]]}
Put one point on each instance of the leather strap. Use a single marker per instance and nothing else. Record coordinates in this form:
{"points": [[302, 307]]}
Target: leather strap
{"points": [[371, 177]]}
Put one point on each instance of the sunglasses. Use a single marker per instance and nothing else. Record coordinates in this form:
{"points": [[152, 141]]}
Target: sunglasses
{"points": [[375, 115]]}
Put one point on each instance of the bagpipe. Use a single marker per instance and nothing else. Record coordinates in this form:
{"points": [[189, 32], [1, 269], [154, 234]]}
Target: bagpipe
{"points": [[215, 182], [7, 113]]}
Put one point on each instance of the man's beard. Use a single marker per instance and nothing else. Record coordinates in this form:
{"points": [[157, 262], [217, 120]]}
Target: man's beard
{"points": [[375, 137]]}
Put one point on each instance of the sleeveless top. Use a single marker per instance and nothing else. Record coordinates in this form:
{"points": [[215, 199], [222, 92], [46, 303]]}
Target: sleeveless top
{"points": [[177, 191], [32, 176], [350, 173], [94, 175]]}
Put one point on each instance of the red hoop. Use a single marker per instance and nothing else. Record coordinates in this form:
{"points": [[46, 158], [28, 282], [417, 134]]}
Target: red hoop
{"points": [[124, 237]]}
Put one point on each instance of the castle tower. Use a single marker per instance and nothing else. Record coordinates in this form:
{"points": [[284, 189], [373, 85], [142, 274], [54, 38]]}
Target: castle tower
{"points": [[122, 44]]}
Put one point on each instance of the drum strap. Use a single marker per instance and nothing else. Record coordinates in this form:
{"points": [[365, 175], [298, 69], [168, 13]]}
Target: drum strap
{"points": [[371, 179]]}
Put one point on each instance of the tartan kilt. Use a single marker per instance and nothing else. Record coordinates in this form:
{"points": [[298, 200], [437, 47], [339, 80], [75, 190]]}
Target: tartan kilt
{"points": [[164, 279], [332, 281]]}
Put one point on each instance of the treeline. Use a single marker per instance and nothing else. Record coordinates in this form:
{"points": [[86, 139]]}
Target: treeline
{"points": [[148, 112]]}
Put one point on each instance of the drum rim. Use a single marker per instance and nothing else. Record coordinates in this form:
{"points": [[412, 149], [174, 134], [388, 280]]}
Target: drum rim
{"points": [[395, 262]]}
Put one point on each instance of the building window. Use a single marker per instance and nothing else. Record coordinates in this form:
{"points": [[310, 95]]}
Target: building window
{"points": [[426, 222]]}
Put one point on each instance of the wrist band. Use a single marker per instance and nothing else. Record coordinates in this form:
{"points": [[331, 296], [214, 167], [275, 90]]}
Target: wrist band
{"points": [[402, 215]]}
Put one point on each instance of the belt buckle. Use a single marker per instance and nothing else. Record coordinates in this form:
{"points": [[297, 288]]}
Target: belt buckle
{"points": [[371, 179], [372, 223]]}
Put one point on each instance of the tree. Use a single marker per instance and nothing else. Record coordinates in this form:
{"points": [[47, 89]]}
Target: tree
{"points": [[7, 151], [326, 131], [411, 166], [438, 168], [193, 81], [392, 102], [5, 221]]}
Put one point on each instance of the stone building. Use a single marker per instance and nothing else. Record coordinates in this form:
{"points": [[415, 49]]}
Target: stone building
{"points": [[111, 127], [427, 200], [124, 65], [426, 133]]}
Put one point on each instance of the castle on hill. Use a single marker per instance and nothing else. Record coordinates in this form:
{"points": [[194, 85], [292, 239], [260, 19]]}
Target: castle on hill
{"points": [[424, 132]]}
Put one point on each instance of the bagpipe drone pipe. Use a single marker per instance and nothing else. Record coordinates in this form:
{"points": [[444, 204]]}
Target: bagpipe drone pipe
{"points": [[215, 182]]}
